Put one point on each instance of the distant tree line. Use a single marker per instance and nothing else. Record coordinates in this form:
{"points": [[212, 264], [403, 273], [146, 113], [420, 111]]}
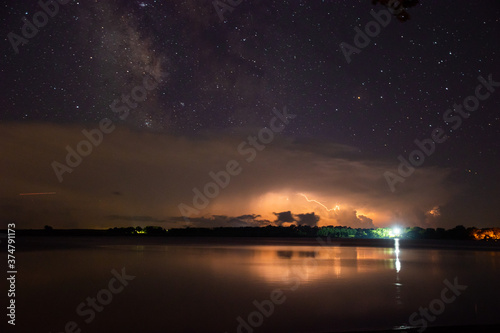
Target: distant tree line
{"points": [[149, 230], [458, 232]]}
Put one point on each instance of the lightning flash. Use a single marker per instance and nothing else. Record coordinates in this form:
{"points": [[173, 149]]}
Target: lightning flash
{"points": [[336, 208]]}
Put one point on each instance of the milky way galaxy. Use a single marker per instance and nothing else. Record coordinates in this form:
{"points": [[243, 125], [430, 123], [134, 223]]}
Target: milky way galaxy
{"points": [[124, 110]]}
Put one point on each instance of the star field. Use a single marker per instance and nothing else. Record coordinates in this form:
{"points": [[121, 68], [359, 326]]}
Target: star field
{"points": [[221, 76]]}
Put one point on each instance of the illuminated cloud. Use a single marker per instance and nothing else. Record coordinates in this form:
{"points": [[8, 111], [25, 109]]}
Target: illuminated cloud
{"points": [[139, 178]]}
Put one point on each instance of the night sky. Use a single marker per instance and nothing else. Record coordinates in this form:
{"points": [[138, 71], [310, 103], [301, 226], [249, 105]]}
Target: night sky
{"points": [[205, 86]]}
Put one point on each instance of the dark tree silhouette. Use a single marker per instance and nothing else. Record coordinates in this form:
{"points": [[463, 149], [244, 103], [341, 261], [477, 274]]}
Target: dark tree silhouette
{"points": [[398, 7]]}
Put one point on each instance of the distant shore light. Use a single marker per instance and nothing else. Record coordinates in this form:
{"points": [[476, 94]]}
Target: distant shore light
{"points": [[396, 231]]}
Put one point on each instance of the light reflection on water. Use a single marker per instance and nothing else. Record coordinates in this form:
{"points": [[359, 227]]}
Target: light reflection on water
{"points": [[204, 288]]}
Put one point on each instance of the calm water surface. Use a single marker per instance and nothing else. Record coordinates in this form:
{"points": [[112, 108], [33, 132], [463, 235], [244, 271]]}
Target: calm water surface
{"points": [[206, 287]]}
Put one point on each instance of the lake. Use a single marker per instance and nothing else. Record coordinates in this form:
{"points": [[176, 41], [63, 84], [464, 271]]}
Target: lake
{"points": [[161, 285]]}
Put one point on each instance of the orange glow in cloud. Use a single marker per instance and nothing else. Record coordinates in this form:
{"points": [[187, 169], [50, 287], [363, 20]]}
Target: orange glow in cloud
{"points": [[337, 207], [266, 204], [434, 211]]}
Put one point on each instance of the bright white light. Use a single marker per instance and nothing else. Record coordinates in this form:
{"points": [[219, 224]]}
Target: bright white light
{"points": [[396, 231]]}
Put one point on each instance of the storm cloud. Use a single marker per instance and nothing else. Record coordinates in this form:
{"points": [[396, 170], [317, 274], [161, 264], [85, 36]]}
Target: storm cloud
{"points": [[136, 177]]}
